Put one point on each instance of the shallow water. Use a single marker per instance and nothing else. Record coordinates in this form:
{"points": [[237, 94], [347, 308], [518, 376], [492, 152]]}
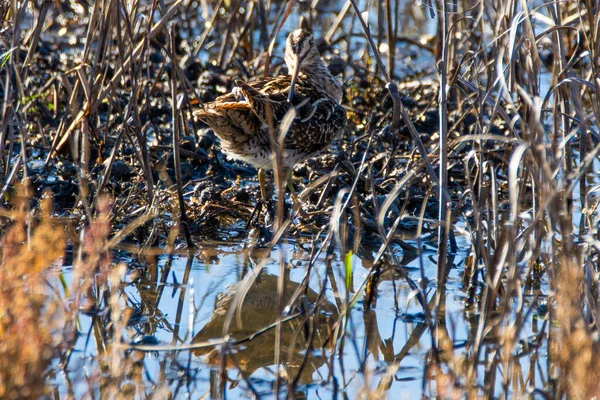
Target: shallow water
{"points": [[184, 299]]}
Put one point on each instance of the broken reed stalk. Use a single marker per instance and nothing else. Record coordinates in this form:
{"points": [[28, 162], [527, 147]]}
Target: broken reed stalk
{"points": [[183, 220], [391, 39], [443, 149]]}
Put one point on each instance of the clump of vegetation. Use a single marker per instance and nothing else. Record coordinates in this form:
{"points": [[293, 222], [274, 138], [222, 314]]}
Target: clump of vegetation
{"points": [[32, 319]]}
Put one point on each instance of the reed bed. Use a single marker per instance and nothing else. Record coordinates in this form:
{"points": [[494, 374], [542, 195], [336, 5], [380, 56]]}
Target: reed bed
{"points": [[473, 132]]}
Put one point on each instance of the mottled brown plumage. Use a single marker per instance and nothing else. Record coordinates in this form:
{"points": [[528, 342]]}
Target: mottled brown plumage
{"points": [[241, 118]]}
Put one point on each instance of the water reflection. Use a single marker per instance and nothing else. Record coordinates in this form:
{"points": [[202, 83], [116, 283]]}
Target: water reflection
{"points": [[301, 337], [180, 301]]}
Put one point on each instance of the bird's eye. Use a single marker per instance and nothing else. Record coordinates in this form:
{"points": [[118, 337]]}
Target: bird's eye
{"points": [[311, 42]]}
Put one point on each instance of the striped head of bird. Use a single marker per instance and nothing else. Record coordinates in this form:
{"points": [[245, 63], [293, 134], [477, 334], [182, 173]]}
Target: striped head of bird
{"points": [[301, 54]]}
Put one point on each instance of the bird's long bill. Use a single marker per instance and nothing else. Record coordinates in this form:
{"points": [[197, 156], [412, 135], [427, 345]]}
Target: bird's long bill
{"points": [[294, 79]]}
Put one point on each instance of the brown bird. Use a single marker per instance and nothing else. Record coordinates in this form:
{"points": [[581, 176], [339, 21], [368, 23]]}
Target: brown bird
{"points": [[243, 119]]}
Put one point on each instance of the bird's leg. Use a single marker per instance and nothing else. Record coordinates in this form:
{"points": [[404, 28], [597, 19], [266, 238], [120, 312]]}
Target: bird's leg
{"points": [[261, 183], [255, 215], [290, 186], [296, 203], [262, 201]]}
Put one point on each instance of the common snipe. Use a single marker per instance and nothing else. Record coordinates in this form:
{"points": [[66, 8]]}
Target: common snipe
{"points": [[242, 118]]}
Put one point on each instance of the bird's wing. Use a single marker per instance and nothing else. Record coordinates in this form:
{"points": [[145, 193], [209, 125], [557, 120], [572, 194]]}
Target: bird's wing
{"points": [[316, 123], [234, 122], [268, 98], [318, 118]]}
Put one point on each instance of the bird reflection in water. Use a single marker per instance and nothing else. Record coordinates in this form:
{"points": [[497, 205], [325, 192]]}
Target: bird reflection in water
{"points": [[300, 335]]}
